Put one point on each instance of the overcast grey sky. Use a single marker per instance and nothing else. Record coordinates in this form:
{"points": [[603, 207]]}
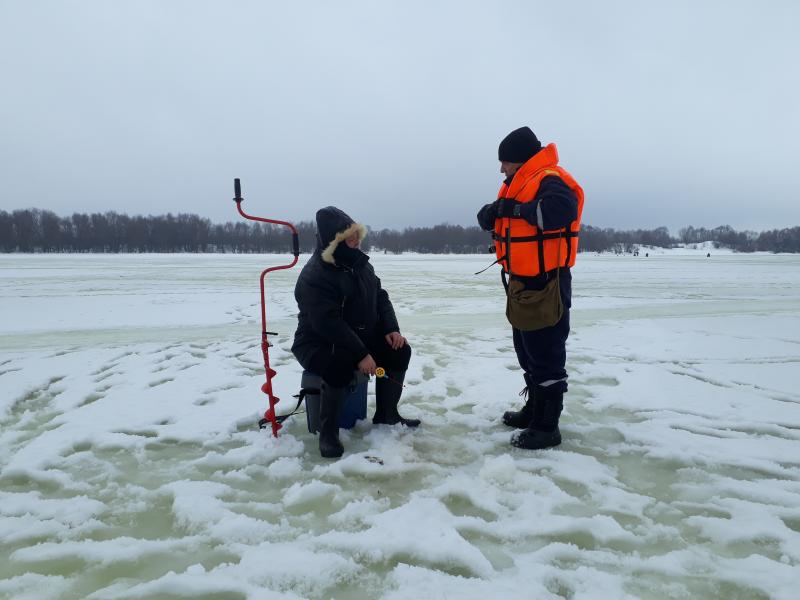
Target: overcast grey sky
{"points": [[668, 113]]}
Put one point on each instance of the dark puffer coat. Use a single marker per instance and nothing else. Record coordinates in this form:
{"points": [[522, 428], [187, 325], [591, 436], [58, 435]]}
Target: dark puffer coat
{"points": [[340, 298]]}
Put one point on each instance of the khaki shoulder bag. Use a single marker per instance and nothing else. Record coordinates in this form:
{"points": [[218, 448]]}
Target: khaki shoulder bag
{"points": [[529, 310]]}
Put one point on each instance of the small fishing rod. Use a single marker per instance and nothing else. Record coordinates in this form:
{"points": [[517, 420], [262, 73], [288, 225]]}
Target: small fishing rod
{"points": [[380, 373]]}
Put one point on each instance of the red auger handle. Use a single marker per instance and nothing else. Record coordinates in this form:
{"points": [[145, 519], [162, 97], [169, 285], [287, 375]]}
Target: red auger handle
{"points": [[237, 190]]}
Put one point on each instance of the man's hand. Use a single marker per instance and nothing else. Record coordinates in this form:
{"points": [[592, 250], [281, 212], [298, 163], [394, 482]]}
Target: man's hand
{"points": [[395, 340], [507, 207], [367, 365], [487, 216]]}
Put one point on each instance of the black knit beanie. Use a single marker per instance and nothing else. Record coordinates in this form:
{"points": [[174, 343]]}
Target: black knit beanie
{"points": [[518, 146]]}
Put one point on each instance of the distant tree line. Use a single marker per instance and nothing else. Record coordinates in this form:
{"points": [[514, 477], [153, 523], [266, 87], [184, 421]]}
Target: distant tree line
{"points": [[34, 230], [605, 240], [439, 239]]}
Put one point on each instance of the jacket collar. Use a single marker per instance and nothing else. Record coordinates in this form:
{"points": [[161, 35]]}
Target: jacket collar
{"points": [[546, 157], [353, 260], [326, 252]]}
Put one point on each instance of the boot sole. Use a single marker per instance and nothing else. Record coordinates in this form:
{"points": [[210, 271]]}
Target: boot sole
{"points": [[331, 454], [517, 443], [536, 447], [409, 425]]}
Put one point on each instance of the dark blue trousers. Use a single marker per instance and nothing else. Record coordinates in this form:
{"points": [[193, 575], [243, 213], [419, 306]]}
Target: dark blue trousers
{"points": [[542, 354]]}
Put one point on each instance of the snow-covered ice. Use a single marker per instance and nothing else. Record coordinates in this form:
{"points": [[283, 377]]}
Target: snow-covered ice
{"points": [[131, 465]]}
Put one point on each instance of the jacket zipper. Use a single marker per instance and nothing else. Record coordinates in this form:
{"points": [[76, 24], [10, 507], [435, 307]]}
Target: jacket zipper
{"points": [[333, 346]]}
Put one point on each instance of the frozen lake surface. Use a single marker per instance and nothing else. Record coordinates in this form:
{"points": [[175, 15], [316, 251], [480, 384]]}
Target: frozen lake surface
{"points": [[131, 465]]}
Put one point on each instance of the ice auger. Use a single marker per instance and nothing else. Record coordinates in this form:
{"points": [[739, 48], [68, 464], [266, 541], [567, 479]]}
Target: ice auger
{"points": [[269, 415]]}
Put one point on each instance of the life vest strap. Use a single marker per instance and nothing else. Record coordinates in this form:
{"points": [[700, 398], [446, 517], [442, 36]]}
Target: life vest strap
{"points": [[535, 238], [539, 238]]}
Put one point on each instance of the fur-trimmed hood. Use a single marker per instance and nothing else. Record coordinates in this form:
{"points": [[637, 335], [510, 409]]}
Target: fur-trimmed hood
{"points": [[333, 227]]}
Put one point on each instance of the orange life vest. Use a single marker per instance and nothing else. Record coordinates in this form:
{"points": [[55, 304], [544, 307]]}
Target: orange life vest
{"points": [[525, 249]]}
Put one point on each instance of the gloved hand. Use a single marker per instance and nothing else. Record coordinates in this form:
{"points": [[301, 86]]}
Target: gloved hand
{"points": [[507, 207], [487, 216]]}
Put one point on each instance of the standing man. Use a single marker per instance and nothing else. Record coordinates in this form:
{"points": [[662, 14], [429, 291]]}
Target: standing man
{"points": [[534, 224], [347, 322]]}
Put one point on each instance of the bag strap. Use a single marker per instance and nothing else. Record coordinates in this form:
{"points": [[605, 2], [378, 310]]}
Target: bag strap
{"points": [[300, 397], [490, 266]]}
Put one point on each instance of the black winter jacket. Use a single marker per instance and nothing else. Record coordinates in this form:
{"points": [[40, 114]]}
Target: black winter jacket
{"points": [[340, 298]]}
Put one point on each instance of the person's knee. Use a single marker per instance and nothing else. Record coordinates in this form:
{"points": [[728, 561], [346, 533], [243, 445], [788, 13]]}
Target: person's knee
{"points": [[399, 359], [339, 370], [337, 378]]}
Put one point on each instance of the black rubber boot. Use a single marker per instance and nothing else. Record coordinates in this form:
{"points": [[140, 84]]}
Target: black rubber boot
{"points": [[331, 402], [520, 419], [387, 396], [542, 432]]}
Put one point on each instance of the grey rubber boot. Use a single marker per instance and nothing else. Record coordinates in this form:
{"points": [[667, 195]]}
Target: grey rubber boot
{"points": [[387, 396]]}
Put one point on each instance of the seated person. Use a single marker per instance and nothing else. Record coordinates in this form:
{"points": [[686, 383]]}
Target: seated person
{"points": [[346, 323]]}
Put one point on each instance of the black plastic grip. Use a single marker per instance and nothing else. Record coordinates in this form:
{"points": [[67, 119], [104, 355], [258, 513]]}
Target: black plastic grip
{"points": [[237, 189], [296, 244]]}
